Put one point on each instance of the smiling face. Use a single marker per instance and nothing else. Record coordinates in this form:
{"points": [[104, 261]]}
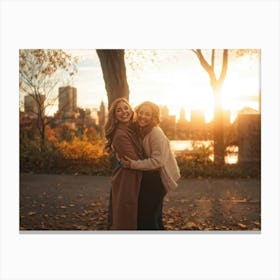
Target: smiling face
{"points": [[123, 112], [144, 116]]}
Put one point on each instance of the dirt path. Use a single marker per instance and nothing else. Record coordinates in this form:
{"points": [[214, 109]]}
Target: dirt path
{"points": [[68, 202]]}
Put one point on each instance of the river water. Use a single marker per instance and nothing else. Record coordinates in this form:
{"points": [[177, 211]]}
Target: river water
{"points": [[180, 145]]}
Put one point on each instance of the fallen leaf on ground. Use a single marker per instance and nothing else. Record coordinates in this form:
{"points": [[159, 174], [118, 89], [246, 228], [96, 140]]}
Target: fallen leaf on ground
{"points": [[242, 225]]}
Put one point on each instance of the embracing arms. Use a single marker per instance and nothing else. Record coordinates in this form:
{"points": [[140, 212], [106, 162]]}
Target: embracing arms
{"points": [[155, 145]]}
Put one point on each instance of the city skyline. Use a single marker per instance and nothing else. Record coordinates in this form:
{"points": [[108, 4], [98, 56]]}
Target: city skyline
{"points": [[67, 104], [175, 79]]}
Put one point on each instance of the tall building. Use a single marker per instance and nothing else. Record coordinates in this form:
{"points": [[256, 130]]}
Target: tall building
{"points": [[197, 117], [198, 129], [164, 112], [67, 101], [167, 122], [33, 104], [182, 115], [101, 118], [101, 114], [249, 136], [226, 117], [182, 126]]}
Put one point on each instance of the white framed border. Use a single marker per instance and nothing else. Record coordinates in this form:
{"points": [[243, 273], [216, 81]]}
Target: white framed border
{"points": [[143, 24]]}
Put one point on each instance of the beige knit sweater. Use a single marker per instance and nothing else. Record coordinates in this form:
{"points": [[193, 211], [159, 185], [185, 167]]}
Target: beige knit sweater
{"points": [[160, 156]]}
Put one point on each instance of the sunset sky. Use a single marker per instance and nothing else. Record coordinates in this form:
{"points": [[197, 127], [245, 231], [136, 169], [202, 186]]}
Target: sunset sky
{"points": [[175, 78]]}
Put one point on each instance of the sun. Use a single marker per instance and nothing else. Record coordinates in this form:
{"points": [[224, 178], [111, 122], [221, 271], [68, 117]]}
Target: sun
{"points": [[186, 85]]}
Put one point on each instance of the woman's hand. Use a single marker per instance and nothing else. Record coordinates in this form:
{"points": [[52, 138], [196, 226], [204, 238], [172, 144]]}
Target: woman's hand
{"points": [[125, 162]]}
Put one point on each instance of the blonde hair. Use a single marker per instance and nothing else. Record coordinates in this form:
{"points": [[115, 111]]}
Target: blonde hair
{"points": [[112, 121], [155, 111]]}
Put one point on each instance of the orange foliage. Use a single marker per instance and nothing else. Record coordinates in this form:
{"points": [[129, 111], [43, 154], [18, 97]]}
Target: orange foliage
{"points": [[81, 149], [50, 134]]}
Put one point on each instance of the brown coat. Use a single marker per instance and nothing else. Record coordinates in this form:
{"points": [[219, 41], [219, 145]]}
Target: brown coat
{"points": [[125, 182]]}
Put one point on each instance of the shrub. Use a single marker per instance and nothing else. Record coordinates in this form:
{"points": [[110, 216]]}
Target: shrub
{"points": [[197, 163], [88, 157], [78, 156]]}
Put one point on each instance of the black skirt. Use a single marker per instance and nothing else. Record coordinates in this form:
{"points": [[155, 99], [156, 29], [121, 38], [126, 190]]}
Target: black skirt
{"points": [[150, 201]]}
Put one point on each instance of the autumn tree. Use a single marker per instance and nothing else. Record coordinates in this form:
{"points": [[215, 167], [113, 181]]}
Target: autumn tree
{"points": [[40, 71], [216, 82], [114, 73], [216, 68]]}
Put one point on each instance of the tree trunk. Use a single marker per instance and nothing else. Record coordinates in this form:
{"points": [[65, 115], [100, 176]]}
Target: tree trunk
{"points": [[43, 137], [218, 128], [114, 74], [42, 131]]}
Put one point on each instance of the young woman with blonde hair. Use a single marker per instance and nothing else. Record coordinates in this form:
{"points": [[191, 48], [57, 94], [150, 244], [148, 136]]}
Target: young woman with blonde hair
{"points": [[125, 182]]}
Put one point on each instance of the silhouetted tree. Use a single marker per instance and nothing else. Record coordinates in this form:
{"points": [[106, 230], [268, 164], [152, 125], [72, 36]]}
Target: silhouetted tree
{"points": [[216, 82]]}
